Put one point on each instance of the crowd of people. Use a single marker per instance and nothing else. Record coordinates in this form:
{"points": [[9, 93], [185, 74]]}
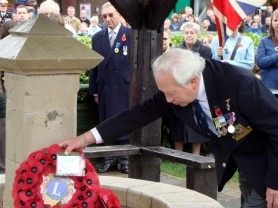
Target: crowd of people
{"points": [[239, 50], [258, 22]]}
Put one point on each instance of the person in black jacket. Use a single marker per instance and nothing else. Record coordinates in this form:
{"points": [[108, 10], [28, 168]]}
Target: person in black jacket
{"points": [[240, 113], [178, 128], [110, 80]]}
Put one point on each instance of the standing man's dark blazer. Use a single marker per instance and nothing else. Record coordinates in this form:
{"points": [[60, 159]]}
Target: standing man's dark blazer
{"points": [[6, 17], [111, 78], [253, 147]]}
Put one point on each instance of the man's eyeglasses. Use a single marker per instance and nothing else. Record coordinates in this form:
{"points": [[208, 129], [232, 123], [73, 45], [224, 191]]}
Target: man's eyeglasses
{"points": [[104, 16]]}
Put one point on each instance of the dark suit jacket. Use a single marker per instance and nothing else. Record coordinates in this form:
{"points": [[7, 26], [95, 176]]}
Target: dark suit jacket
{"points": [[253, 148], [7, 16], [111, 78], [198, 47]]}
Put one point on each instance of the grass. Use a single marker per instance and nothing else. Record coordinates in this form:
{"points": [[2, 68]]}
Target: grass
{"points": [[173, 169], [179, 170]]}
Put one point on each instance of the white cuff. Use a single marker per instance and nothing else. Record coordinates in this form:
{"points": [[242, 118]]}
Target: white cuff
{"points": [[97, 136]]}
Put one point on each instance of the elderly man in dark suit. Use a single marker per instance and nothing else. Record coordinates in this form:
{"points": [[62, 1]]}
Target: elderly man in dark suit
{"points": [[110, 80], [221, 101]]}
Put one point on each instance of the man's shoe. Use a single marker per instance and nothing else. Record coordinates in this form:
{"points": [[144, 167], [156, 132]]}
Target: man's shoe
{"points": [[124, 169], [106, 167]]}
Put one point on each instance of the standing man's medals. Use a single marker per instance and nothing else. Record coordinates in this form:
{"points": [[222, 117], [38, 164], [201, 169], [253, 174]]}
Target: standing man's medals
{"points": [[125, 50], [116, 50]]}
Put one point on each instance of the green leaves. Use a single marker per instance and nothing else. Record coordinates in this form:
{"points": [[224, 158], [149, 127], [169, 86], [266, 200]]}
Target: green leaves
{"points": [[85, 40], [256, 38], [177, 39], [84, 79]]}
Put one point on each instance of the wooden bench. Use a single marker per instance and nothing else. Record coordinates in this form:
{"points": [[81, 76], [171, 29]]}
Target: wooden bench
{"points": [[200, 171]]}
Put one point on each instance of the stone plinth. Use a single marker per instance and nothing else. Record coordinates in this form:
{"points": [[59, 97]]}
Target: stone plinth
{"points": [[42, 63], [134, 193]]}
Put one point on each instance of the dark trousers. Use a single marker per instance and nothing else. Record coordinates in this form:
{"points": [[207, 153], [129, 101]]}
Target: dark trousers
{"points": [[122, 160], [249, 197]]}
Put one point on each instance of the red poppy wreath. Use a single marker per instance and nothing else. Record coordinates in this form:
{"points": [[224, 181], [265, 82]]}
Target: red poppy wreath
{"points": [[36, 185]]}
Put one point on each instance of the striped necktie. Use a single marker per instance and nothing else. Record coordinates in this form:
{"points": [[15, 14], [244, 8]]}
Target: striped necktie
{"points": [[112, 37], [201, 119]]}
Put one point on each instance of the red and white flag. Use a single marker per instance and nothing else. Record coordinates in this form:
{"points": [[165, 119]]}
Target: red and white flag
{"points": [[229, 13]]}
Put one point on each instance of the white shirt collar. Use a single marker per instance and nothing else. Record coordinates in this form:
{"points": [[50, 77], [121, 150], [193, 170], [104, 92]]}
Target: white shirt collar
{"points": [[116, 30], [201, 95]]}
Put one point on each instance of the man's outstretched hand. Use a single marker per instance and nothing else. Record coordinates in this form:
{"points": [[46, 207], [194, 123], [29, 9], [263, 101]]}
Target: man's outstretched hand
{"points": [[79, 142]]}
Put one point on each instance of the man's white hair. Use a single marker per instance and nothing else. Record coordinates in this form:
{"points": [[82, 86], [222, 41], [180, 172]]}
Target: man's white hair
{"points": [[182, 64]]}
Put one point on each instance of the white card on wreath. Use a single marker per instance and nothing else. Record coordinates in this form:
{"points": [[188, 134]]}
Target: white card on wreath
{"points": [[70, 165]]}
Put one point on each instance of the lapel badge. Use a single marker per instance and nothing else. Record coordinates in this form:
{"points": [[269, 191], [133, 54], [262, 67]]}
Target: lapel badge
{"points": [[217, 111], [123, 38], [228, 107], [276, 49]]}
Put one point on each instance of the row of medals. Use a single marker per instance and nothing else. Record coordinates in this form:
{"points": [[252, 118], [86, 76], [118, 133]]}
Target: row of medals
{"points": [[116, 50], [222, 130]]}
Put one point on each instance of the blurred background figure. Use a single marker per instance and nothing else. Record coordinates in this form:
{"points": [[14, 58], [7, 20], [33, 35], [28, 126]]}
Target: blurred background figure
{"points": [[4, 14], [238, 49], [174, 26], [266, 25], [83, 17], [255, 28], [267, 55], [30, 11], [93, 28], [207, 40], [49, 7], [166, 40], [210, 17], [267, 13], [83, 29], [167, 24], [72, 20]]}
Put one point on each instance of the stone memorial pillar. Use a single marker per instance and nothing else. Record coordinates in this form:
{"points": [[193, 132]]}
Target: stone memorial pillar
{"points": [[42, 63]]}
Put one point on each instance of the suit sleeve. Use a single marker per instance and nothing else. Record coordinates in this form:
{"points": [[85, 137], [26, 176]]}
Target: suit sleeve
{"points": [[129, 120], [260, 107], [93, 84]]}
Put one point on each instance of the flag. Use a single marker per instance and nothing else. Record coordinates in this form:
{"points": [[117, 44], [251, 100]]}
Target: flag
{"points": [[229, 13]]}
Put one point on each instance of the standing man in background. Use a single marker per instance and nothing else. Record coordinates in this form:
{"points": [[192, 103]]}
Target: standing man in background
{"points": [[110, 80], [4, 14], [72, 20], [83, 17]]}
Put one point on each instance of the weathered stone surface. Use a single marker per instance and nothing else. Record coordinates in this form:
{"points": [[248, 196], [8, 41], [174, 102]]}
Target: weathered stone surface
{"points": [[135, 193], [42, 46], [42, 63]]}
